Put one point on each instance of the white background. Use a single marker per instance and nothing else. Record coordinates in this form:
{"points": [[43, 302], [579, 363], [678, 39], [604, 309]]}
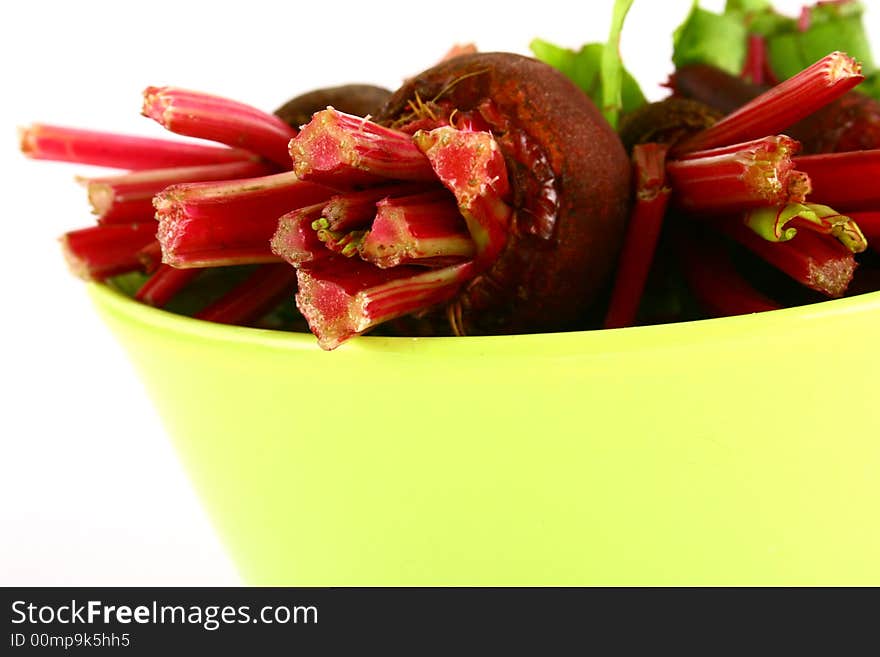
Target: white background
{"points": [[90, 490]]}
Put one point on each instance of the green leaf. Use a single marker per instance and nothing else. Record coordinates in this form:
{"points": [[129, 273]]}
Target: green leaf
{"points": [[747, 6], [871, 85], [583, 67], [611, 66], [769, 23], [128, 283], [708, 38], [832, 27]]}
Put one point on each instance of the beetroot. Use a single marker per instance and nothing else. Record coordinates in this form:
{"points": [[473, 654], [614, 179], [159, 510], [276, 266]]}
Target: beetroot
{"points": [[547, 216], [570, 181], [360, 99]]}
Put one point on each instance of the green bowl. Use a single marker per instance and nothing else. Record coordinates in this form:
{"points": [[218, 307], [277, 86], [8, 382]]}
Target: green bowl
{"points": [[741, 451]]}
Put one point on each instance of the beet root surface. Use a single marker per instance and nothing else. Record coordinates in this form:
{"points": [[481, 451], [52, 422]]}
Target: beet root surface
{"points": [[570, 178], [359, 99]]}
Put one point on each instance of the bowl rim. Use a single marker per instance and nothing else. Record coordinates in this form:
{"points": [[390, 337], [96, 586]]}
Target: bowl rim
{"points": [[636, 338]]}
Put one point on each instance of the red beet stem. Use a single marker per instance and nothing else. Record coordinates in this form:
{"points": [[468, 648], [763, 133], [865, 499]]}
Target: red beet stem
{"points": [[150, 256], [732, 178], [425, 229], [471, 165], [346, 151], [845, 181], [97, 252], [251, 299], [197, 114], [757, 65], [129, 197], [782, 106], [357, 209], [715, 282], [642, 233], [164, 284], [41, 141], [817, 261], [342, 297], [296, 240], [232, 222]]}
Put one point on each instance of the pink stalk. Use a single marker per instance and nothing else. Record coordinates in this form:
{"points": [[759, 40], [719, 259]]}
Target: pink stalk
{"points": [[424, 229], [129, 197], [98, 252], [197, 114], [741, 176], [346, 151], [164, 284], [817, 261], [357, 209], [106, 149], [782, 106], [295, 240], [342, 297], [642, 233], [258, 294], [804, 19], [471, 166], [757, 65], [713, 279], [232, 222], [150, 256], [845, 181]]}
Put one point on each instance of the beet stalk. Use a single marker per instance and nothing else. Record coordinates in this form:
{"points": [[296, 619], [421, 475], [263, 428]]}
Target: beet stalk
{"points": [[296, 237], [845, 181], [342, 297], [714, 280], [164, 284], [253, 297], [737, 177], [819, 262], [197, 114], [850, 123], [342, 150], [212, 224], [470, 164], [642, 233], [425, 229], [129, 197], [41, 141], [98, 252], [783, 105], [357, 209]]}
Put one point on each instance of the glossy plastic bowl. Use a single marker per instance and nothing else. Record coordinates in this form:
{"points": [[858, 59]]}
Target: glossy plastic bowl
{"points": [[742, 451]]}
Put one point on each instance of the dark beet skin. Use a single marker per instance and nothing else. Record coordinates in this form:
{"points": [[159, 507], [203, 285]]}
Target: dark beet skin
{"points": [[571, 190], [359, 99]]}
